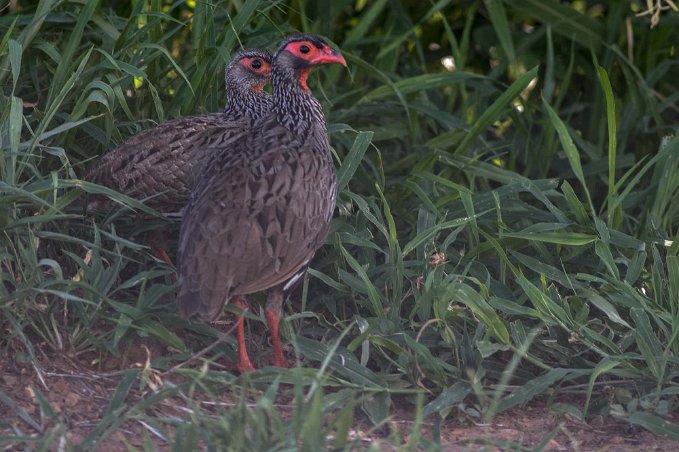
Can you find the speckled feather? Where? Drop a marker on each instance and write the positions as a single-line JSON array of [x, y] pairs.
[[261, 209], [160, 164]]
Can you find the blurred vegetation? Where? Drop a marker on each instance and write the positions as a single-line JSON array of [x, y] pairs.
[[505, 229]]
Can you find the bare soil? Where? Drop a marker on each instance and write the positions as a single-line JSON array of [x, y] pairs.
[[80, 390]]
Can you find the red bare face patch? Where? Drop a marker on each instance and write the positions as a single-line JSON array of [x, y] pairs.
[[308, 51], [257, 66], [304, 50]]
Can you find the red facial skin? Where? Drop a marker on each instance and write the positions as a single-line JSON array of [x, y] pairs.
[[257, 66], [306, 50]]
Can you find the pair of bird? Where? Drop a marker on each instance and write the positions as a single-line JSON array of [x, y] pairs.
[[256, 184]]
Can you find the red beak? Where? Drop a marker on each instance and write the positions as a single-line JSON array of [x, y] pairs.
[[329, 56]]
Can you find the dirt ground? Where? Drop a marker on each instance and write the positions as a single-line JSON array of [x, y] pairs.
[[79, 393]]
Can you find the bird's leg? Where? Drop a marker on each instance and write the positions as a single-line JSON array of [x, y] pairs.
[[274, 303], [157, 245], [244, 363]]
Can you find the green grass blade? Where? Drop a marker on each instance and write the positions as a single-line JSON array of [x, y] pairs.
[[68, 54], [353, 159], [492, 113], [570, 149], [498, 17], [655, 424], [611, 120], [648, 344], [601, 368], [15, 51], [373, 295], [563, 19], [561, 238]]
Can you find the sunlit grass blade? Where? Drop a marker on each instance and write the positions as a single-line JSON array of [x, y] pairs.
[[493, 112]]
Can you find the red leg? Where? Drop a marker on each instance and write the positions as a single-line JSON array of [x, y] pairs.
[[273, 320], [244, 363], [273, 309], [157, 245]]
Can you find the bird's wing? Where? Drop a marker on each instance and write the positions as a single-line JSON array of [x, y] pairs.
[[156, 163], [258, 213]]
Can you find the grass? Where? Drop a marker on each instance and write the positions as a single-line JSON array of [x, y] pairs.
[[505, 230]]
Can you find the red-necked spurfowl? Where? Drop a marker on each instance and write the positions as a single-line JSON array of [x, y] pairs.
[[261, 207], [160, 164]]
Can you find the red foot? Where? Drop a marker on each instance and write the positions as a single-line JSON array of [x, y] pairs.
[[244, 363]]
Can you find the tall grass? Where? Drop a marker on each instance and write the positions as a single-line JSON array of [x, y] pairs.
[[504, 229]]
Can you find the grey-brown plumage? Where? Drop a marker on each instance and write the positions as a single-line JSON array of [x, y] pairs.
[[262, 206], [159, 164]]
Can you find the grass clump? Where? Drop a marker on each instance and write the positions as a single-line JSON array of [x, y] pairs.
[[505, 231]]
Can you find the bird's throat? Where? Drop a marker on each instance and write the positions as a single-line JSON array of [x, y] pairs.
[[303, 76]]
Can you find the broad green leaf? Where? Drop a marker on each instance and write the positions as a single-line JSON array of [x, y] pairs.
[[353, 159]]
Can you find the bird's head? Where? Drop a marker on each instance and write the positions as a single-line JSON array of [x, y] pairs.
[[249, 69], [302, 53]]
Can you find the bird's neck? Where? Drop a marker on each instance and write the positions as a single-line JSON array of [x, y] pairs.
[[242, 101], [296, 108]]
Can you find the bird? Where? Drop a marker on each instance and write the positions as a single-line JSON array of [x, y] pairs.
[[159, 165], [263, 205]]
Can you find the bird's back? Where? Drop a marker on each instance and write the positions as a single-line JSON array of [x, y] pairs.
[[157, 163]]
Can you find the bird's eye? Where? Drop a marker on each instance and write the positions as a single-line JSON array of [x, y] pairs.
[[256, 64], [304, 48]]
